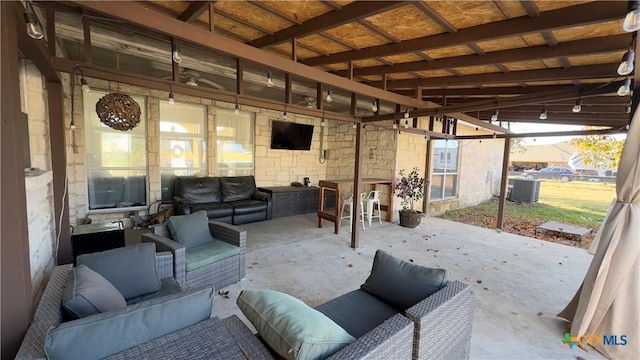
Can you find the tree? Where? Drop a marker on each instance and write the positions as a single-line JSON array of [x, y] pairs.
[[517, 145], [601, 151]]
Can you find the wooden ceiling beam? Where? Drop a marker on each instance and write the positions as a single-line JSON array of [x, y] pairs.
[[604, 100], [433, 15], [378, 31], [570, 48], [576, 72], [530, 7], [140, 15], [492, 104], [276, 12], [553, 107], [571, 16], [352, 12], [489, 91], [195, 9]]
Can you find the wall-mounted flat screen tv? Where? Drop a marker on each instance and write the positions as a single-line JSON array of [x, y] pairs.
[[290, 136]]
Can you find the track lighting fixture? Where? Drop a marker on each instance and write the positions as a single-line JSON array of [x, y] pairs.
[[494, 117], [626, 66], [172, 100], [34, 29], [625, 88], [543, 113], [406, 114], [578, 106], [632, 20], [269, 79], [176, 55], [406, 124], [329, 98], [374, 106]]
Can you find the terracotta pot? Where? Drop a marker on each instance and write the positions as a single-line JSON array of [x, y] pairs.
[[410, 219]]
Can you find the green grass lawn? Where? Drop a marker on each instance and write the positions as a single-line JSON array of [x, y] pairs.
[[576, 202]]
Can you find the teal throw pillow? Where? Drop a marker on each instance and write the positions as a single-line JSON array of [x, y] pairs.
[[402, 284], [130, 269], [101, 335], [290, 327], [190, 230], [87, 293]]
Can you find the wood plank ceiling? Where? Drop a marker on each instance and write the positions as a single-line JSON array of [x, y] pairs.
[[469, 56]]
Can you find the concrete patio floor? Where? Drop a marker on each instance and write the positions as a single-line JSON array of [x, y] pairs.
[[520, 283]]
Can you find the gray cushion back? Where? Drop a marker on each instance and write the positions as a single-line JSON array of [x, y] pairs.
[[198, 190], [237, 188], [190, 230], [131, 269], [87, 293], [402, 284]]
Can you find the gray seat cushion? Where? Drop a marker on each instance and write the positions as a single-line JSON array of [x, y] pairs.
[[87, 293], [131, 269], [209, 253], [400, 283], [190, 230], [357, 312]]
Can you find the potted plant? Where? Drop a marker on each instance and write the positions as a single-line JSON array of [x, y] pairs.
[[409, 187]]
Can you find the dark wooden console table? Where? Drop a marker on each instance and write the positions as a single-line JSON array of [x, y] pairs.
[[294, 200], [336, 185]]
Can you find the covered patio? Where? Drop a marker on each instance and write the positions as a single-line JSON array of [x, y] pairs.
[[520, 283]]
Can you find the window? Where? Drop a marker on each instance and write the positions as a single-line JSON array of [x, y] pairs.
[[116, 161], [234, 146], [183, 143], [444, 181]]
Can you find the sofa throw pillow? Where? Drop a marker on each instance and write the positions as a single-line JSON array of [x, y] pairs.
[[190, 230], [290, 327], [101, 335], [131, 269], [87, 293], [402, 284]]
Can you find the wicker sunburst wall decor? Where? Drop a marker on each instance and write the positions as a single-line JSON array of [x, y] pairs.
[[118, 111]]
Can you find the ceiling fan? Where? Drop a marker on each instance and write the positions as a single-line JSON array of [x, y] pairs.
[[193, 78], [308, 101]]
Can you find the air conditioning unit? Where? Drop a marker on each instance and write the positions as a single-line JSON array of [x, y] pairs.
[[524, 190]]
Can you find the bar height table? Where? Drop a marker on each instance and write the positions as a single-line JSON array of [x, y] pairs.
[[336, 185]]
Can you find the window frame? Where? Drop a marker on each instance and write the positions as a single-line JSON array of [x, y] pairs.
[[219, 143], [446, 158]]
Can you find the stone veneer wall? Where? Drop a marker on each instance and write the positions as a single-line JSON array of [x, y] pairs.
[[39, 182], [272, 167]]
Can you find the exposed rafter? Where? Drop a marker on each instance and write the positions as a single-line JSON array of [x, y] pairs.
[[571, 48], [577, 72], [352, 12], [583, 14], [194, 10]]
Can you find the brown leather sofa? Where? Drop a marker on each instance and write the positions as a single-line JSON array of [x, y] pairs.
[[233, 200]]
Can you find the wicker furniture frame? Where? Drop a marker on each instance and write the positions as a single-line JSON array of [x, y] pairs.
[[220, 274], [49, 311], [443, 323]]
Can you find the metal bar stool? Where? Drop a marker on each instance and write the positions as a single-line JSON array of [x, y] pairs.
[[347, 204]]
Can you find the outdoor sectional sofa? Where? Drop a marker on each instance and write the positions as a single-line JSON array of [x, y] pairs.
[[233, 200]]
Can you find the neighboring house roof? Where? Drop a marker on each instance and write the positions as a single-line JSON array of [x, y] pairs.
[[555, 153]]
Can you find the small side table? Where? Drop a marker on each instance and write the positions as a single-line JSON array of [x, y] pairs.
[[91, 238]]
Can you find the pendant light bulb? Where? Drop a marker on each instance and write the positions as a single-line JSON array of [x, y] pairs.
[[284, 115], [626, 66], [374, 106], [578, 106], [34, 30], [625, 88], [237, 109], [172, 100], [406, 114], [85, 85], [632, 20], [406, 124], [329, 98], [269, 79], [175, 55], [355, 125], [543, 113], [494, 117], [395, 124], [322, 123]]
